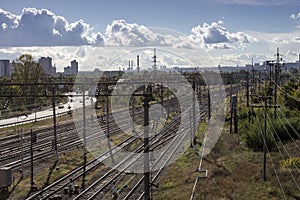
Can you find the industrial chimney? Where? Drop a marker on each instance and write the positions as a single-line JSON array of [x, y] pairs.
[[138, 63]]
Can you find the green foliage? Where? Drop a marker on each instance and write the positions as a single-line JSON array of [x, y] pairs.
[[266, 90], [293, 162], [243, 113], [286, 128], [252, 134], [26, 70], [289, 95]]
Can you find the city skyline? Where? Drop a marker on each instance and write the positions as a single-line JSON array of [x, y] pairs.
[[230, 32]]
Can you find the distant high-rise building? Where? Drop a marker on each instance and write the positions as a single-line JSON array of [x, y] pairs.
[[46, 63], [74, 66], [5, 68], [73, 70]]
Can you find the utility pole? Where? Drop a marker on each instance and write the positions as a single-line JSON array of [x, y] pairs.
[[133, 112], [146, 144], [84, 139], [231, 109], [276, 66], [265, 106], [270, 81], [253, 82], [265, 142], [276, 74], [107, 125], [247, 89], [35, 109], [199, 93], [54, 122], [22, 153], [191, 135], [259, 82], [31, 160], [194, 118], [162, 99], [299, 64], [231, 82], [234, 109], [22, 150], [199, 89], [209, 103]]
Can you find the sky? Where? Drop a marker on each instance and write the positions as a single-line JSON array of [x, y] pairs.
[[229, 32]]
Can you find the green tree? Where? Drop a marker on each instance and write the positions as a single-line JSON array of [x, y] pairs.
[[26, 72], [289, 95]]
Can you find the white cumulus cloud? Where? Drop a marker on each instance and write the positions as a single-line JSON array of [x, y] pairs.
[[43, 28], [215, 35], [119, 32]]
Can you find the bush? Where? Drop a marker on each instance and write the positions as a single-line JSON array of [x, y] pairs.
[[286, 129], [293, 162], [252, 134], [243, 113]]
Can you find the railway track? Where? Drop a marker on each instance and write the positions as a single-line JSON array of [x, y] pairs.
[[10, 147], [69, 139], [58, 186], [105, 184], [136, 191]]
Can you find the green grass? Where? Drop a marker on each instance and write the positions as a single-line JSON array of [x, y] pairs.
[[234, 172], [179, 177]]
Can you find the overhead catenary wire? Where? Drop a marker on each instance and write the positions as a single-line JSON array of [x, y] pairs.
[[295, 131], [281, 154], [275, 133], [277, 177], [293, 128], [285, 128], [278, 137], [280, 88]]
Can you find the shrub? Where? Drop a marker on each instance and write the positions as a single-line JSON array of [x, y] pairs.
[[285, 129], [252, 134], [293, 162]]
